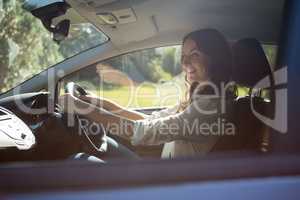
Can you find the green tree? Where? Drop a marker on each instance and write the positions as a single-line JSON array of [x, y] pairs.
[[170, 61], [81, 37], [147, 62], [27, 48], [24, 44]]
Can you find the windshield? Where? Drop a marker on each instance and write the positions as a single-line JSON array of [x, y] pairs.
[[27, 48]]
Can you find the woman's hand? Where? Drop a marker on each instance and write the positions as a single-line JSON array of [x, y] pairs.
[[94, 100], [72, 105], [85, 103], [87, 98]]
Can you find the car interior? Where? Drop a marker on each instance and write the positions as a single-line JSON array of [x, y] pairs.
[[136, 25]]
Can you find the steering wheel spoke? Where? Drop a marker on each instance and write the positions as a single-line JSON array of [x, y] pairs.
[[97, 139]]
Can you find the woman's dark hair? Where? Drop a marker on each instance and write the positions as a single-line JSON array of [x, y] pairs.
[[215, 46], [212, 43]]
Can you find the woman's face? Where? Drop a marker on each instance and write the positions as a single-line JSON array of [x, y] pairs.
[[194, 62]]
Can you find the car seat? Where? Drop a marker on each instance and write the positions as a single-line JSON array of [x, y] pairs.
[[250, 65]]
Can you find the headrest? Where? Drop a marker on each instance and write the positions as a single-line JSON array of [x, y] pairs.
[[250, 63]]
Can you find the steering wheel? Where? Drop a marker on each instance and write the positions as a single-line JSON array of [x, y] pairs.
[[94, 133], [99, 142]]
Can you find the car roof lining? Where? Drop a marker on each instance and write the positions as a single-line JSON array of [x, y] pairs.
[[158, 19]]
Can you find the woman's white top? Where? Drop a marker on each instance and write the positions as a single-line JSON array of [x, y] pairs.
[[191, 132]]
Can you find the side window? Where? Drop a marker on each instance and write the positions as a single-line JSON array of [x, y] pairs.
[[142, 79]]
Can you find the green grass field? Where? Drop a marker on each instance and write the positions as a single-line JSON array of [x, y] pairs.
[[145, 95]]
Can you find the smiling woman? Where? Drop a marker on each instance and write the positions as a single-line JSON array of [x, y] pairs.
[[27, 48]]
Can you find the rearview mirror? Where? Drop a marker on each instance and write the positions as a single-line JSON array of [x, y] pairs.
[[46, 11], [61, 30]]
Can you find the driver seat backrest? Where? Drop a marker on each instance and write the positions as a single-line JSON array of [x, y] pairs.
[[250, 66]]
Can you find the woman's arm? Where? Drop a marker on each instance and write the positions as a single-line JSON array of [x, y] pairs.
[[191, 124], [113, 107], [116, 124]]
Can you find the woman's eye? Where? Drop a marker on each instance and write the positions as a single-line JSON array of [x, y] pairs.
[[195, 57]]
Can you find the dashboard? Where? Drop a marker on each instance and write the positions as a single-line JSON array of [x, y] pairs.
[[14, 132], [49, 136], [32, 129]]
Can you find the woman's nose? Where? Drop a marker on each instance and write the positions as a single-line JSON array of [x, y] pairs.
[[187, 66]]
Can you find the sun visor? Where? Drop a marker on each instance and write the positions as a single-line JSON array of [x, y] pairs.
[[109, 12], [93, 5]]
